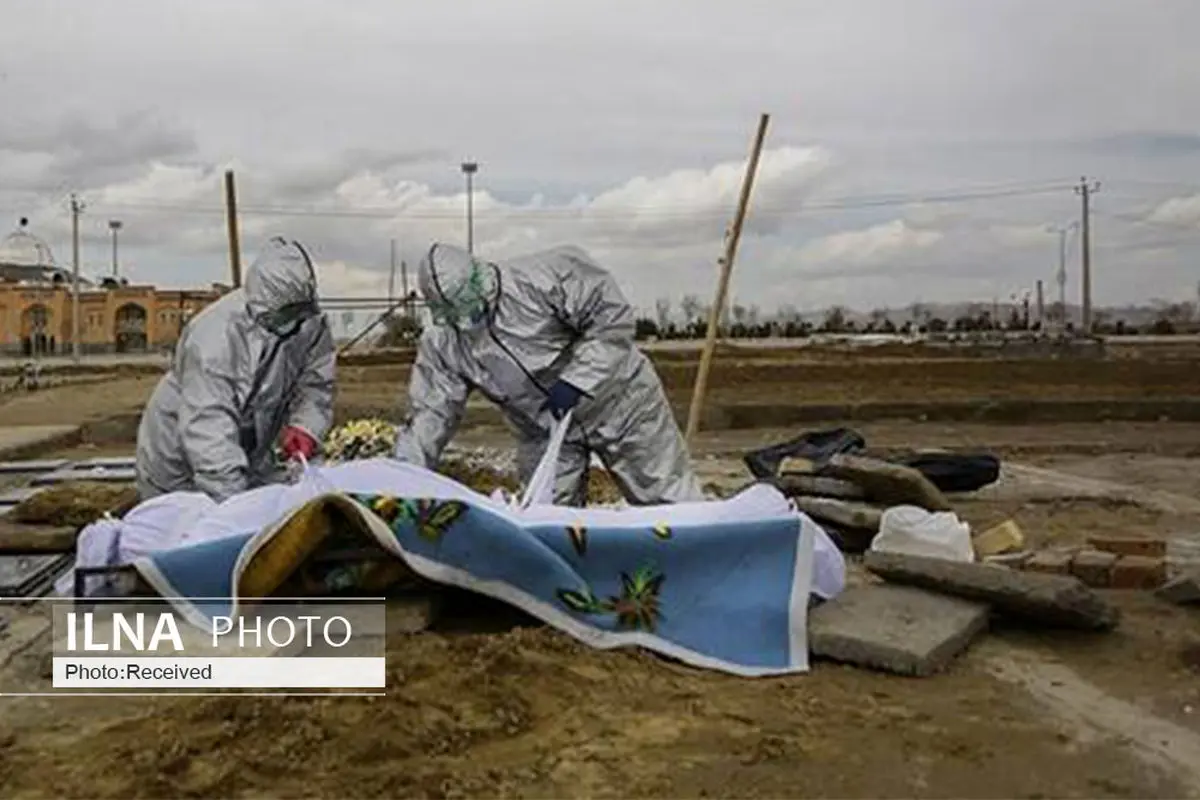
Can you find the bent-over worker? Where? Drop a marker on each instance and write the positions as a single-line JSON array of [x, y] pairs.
[[252, 370], [539, 336]]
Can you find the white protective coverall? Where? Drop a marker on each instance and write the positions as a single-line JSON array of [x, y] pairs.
[[256, 361], [515, 331]]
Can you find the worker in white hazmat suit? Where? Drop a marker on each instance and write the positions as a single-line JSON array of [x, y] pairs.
[[538, 336], [252, 372]]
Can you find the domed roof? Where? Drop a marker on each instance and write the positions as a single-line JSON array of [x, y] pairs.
[[22, 249]]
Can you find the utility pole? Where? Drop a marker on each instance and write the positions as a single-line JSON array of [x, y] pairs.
[[231, 223], [392, 275], [115, 225], [404, 288], [1085, 192], [1041, 307], [76, 210], [469, 168]]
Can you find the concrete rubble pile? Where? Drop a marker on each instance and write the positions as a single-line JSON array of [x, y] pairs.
[[913, 614]]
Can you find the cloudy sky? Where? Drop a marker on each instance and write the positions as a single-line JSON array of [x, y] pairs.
[[918, 150]]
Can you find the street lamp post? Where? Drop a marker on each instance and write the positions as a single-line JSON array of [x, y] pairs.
[[469, 168], [115, 225]]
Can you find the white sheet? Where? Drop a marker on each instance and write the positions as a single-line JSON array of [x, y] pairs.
[[182, 518]]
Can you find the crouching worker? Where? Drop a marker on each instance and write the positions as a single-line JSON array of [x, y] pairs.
[[539, 336], [252, 371]]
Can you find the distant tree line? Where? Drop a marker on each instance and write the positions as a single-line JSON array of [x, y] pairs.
[[748, 322]]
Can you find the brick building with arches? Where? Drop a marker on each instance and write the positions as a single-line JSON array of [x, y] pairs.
[[36, 302]]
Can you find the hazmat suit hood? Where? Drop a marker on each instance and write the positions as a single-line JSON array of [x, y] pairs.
[[459, 289], [255, 362], [281, 287]]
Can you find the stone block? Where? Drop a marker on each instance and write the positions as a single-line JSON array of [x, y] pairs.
[[1048, 600], [1183, 590], [1007, 537], [1139, 572], [841, 513], [1094, 567], [886, 483], [895, 628], [1051, 562], [1010, 560], [1148, 546], [794, 484]]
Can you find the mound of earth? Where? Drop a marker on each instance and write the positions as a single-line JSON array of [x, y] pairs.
[[74, 504]]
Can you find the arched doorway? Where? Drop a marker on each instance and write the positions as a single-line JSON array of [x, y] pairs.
[[130, 333], [35, 331]]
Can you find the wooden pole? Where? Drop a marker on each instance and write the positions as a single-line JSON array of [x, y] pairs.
[[231, 221], [726, 264]]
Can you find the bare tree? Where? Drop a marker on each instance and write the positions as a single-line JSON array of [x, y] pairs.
[[739, 314], [690, 306], [835, 319], [662, 313]]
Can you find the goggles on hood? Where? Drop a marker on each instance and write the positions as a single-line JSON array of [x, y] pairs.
[[465, 305], [286, 320]]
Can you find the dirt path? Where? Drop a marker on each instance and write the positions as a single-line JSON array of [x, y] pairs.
[[1094, 715]]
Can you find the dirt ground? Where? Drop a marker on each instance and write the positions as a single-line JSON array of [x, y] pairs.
[[491, 704]]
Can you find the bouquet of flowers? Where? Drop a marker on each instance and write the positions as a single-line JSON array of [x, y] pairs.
[[360, 438]]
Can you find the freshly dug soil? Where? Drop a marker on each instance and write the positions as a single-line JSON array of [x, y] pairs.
[[74, 504]]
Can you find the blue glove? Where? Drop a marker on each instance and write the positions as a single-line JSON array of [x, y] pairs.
[[561, 398]]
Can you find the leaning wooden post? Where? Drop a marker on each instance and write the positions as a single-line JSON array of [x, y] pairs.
[[726, 264], [231, 221]]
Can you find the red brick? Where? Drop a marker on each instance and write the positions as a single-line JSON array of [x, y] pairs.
[[1094, 567], [1147, 546], [1139, 572], [1055, 562]]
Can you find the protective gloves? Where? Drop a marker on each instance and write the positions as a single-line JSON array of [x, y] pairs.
[[561, 398], [296, 442]]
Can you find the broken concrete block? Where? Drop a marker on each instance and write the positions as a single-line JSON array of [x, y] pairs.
[[1130, 545], [894, 628], [1094, 567], [1006, 537], [1051, 600], [794, 484], [1139, 572], [1183, 590], [1011, 560], [843, 514], [1051, 562], [883, 482]]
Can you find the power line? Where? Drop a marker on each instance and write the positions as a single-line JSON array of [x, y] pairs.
[[603, 213]]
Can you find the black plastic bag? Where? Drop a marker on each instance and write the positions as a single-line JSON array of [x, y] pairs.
[[955, 472], [816, 446]]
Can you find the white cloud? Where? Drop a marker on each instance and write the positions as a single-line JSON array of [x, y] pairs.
[[872, 246], [1179, 211]]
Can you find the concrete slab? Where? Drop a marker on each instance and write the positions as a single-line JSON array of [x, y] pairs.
[[19, 574], [17, 440], [841, 513], [32, 467], [1049, 600], [895, 628], [102, 474], [109, 462], [794, 484], [887, 483]]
